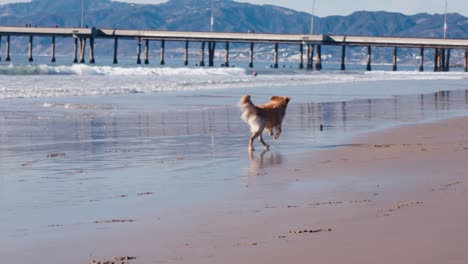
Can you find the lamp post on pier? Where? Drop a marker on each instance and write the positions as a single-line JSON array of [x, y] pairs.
[[445, 21], [212, 16], [312, 18], [82, 13]]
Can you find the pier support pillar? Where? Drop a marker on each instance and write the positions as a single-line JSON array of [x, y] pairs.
[[75, 51], [83, 50], [163, 51], [0, 48], [116, 46], [318, 60], [146, 51], [369, 59], [251, 53], [301, 54], [308, 57], [226, 55], [442, 60], [395, 58], [139, 51], [91, 50], [275, 65], [343, 57], [186, 53], [211, 53], [7, 58], [312, 51], [466, 60], [436, 60], [202, 54], [53, 50], [30, 56], [421, 59], [447, 61]]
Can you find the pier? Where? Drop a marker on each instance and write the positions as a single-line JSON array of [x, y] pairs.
[[86, 37]]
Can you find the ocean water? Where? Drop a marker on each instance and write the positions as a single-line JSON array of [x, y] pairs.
[[81, 143], [46, 80]]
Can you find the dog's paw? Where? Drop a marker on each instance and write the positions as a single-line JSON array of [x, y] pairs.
[[267, 147], [277, 136], [251, 149]]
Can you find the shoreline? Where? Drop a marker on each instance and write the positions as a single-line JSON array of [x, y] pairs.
[[393, 196]]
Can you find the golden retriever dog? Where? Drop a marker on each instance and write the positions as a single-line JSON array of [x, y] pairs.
[[268, 116]]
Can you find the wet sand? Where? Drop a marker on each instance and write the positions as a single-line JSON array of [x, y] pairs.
[[396, 196]]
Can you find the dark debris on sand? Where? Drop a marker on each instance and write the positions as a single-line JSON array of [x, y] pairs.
[[115, 260]]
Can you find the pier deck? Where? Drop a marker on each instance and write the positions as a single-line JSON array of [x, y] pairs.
[[442, 46]]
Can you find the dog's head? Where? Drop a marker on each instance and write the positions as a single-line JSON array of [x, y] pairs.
[[283, 100]]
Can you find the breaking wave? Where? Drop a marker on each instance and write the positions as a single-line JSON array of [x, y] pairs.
[[32, 81], [83, 69]]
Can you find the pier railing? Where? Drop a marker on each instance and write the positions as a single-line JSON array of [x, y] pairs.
[[311, 43]]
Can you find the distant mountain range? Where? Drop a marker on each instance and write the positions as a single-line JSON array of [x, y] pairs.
[[230, 16]]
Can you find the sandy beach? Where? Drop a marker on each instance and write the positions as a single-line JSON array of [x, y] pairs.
[[395, 196], [401, 199]]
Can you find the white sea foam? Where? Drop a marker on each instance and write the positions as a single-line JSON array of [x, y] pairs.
[[77, 106], [32, 81], [83, 69]]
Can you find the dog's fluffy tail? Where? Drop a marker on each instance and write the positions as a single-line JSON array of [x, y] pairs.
[[247, 107]]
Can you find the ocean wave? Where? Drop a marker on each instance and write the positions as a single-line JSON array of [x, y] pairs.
[[34, 81], [83, 69]]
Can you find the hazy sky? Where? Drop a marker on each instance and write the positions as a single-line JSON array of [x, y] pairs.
[[345, 7]]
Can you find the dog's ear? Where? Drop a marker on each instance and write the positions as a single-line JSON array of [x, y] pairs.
[[245, 99], [287, 99], [274, 98]]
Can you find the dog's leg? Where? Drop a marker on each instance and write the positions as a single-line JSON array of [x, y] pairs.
[[267, 147], [252, 138], [278, 133]]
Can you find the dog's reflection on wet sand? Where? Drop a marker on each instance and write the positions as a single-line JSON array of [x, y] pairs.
[[264, 160]]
